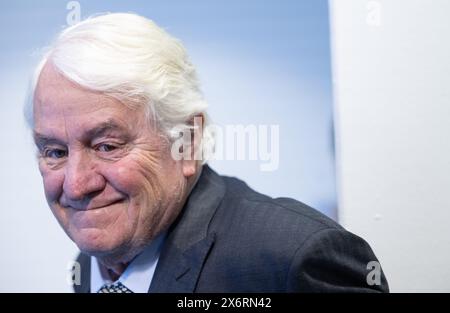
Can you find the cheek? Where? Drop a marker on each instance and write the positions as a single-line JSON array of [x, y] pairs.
[[146, 182], [53, 183], [126, 178], [140, 173]]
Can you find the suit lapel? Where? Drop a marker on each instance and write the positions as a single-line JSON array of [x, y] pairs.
[[179, 271], [188, 242]]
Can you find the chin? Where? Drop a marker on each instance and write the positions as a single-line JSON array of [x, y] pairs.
[[96, 242]]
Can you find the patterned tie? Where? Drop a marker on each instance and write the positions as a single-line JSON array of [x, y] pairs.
[[117, 287]]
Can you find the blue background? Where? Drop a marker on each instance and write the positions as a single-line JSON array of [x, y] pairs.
[[259, 62]]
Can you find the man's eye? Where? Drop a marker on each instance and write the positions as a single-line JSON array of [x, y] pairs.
[[106, 147], [55, 153]]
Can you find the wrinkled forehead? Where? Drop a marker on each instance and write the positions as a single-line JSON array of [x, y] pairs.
[[55, 92], [61, 105]]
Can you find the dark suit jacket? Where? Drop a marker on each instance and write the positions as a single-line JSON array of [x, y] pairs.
[[230, 238]]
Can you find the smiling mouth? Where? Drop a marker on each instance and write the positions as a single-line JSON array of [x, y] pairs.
[[106, 205], [98, 207]]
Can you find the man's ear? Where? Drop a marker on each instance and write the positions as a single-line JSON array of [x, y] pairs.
[[193, 155]]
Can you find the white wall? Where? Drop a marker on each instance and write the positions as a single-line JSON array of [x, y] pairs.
[[391, 64]]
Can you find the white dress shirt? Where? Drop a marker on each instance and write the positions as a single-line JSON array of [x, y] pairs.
[[139, 273]]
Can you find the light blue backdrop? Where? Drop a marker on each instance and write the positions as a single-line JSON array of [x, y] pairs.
[[260, 62]]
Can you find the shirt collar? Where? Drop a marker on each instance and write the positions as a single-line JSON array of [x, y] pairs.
[[139, 273]]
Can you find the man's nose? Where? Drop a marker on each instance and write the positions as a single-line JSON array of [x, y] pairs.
[[81, 178]]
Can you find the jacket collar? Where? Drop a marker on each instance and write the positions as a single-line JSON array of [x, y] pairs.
[[188, 241]]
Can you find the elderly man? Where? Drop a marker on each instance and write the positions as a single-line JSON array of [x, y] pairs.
[[110, 98]]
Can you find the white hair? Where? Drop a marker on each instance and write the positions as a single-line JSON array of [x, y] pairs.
[[130, 58]]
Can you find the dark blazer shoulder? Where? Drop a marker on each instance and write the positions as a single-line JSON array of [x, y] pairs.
[[281, 244], [291, 211]]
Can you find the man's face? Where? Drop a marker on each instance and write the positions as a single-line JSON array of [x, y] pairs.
[[108, 175]]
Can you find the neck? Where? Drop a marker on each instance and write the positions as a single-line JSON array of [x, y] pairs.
[[112, 272]]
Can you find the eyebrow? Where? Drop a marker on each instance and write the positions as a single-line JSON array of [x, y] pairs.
[[95, 132], [104, 128]]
